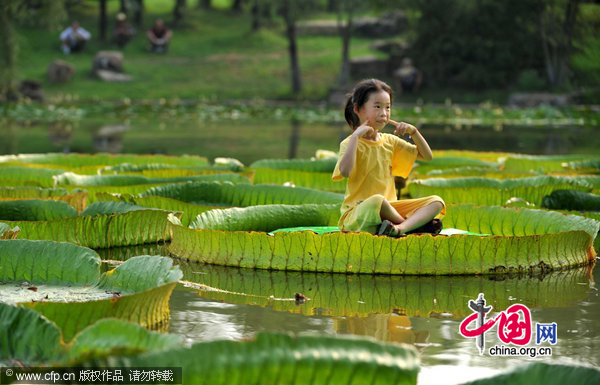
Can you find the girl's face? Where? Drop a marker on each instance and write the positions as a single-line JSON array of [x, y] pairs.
[[376, 111]]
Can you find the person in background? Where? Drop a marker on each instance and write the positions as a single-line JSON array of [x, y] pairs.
[[408, 78], [74, 38], [123, 31], [159, 36]]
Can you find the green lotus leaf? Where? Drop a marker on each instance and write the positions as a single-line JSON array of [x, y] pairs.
[[30, 338], [360, 295], [26, 336], [585, 165], [283, 359], [73, 179], [571, 200], [317, 165], [19, 176], [106, 208], [189, 210], [100, 231], [138, 290], [488, 191], [229, 194], [35, 210], [92, 191], [541, 163], [448, 162], [48, 262], [523, 240], [542, 373], [486, 156], [109, 336], [316, 180], [24, 192], [149, 271], [81, 160], [268, 217]]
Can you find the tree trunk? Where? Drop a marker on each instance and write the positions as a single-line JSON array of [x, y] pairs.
[[138, 15], [290, 24], [346, 34], [205, 4], [178, 11], [294, 138], [567, 47], [123, 6], [8, 47], [102, 25], [256, 16], [237, 6]]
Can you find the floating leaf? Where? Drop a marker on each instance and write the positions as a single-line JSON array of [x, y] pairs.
[[73, 179], [268, 217], [571, 200], [35, 210], [488, 191], [282, 359], [316, 180], [318, 165], [525, 241], [542, 373], [230, 194]]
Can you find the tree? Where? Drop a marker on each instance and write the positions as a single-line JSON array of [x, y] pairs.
[[557, 43], [47, 13], [178, 10], [102, 21], [289, 11], [345, 16]]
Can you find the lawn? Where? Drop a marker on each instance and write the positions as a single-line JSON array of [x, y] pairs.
[[213, 56]]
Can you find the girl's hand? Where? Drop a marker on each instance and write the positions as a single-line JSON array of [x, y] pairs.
[[364, 130], [403, 128]]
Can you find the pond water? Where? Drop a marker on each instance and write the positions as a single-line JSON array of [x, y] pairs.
[[422, 311], [256, 139]]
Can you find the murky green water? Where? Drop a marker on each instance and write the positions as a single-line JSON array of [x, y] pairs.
[[421, 311], [253, 140]]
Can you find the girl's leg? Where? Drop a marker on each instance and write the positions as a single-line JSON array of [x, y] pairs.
[[389, 212], [420, 217]]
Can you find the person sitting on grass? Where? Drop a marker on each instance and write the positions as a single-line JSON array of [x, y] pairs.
[[74, 38], [159, 36], [123, 31], [371, 159]]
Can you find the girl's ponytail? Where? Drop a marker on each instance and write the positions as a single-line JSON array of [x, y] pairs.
[[350, 115]]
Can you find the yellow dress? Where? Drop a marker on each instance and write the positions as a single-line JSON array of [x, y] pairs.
[[372, 180]]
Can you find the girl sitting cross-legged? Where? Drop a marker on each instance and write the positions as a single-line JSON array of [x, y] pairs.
[[371, 159]]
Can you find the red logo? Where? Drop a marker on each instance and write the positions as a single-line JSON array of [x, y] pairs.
[[511, 329]]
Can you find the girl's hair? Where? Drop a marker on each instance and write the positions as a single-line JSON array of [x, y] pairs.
[[360, 95]]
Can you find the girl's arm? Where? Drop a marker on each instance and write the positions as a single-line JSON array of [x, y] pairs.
[[424, 151], [347, 161]]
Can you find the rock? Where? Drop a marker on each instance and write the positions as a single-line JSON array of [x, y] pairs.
[[109, 138], [108, 60], [32, 90], [110, 76], [59, 71], [534, 99], [392, 23], [390, 47]]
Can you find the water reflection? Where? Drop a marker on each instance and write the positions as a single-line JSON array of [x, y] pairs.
[[422, 311]]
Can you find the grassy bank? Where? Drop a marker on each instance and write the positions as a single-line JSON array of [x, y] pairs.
[[213, 56]]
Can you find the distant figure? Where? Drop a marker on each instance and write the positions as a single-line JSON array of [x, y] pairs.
[[159, 36], [74, 38], [123, 31], [407, 77]]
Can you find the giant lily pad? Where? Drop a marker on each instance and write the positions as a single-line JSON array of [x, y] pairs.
[[316, 180], [521, 240], [101, 225], [283, 359], [243, 195], [80, 160], [139, 289], [73, 179], [489, 191]]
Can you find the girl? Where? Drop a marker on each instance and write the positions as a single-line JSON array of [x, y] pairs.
[[370, 160]]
